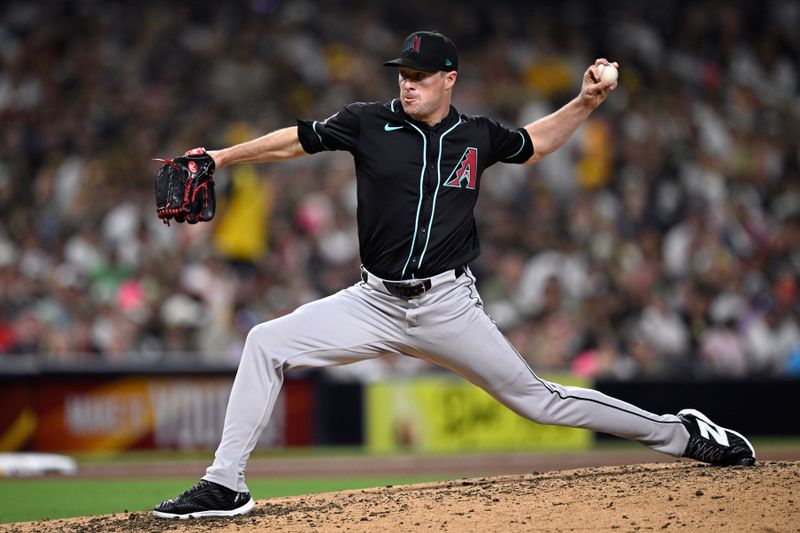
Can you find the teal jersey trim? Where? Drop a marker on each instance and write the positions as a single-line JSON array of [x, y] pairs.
[[436, 193], [419, 204], [520, 148], [314, 127]]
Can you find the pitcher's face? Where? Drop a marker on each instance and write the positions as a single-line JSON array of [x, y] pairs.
[[425, 94]]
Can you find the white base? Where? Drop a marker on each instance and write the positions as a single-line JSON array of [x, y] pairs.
[[36, 464]]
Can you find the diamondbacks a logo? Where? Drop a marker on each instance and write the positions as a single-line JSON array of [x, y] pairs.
[[413, 44], [192, 167], [709, 431], [465, 173]]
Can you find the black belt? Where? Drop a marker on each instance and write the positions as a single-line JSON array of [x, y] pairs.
[[412, 288]]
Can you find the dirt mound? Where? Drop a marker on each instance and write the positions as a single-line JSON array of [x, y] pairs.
[[681, 495]]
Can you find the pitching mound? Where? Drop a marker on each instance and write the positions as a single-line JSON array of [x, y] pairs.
[[684, 496]]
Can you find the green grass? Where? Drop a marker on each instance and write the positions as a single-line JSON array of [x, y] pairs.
[[23, 500]]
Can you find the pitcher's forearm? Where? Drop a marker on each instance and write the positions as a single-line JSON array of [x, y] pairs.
[[550, 133], [278, 145]]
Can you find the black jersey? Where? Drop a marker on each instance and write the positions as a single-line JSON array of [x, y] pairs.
[[417, 185]]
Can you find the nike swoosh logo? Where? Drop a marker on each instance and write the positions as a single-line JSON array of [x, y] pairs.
[[387, 127]]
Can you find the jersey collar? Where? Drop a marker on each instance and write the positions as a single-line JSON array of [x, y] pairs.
[[449, 120]]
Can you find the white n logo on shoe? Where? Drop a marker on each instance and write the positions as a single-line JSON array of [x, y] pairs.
[[710, 431]]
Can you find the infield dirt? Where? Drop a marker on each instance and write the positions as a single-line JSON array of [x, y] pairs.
[[666, 496]]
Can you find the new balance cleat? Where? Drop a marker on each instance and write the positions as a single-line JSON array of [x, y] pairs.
[[715, 444], [205, 499]]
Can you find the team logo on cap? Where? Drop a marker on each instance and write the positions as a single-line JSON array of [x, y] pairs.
[[413, 44], [465, 173]]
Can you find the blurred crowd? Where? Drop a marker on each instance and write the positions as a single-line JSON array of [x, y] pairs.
[[662, 240]]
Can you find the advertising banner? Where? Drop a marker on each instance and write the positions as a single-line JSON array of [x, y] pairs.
[[102, 413], [449, 414]]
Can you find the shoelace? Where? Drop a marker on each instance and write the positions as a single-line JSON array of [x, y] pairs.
[[703, 450], [200, 485]]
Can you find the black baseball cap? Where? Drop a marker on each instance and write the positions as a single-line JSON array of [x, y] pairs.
[[427, 50]]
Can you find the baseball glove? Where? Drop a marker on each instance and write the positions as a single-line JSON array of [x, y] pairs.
[[185, 188]]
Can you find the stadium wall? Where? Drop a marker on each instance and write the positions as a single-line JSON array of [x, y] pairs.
[[59, 408]]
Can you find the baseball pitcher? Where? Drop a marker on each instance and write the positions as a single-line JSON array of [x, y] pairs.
[[418, 165]]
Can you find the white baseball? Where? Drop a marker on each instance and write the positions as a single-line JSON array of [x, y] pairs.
[[608, 73]]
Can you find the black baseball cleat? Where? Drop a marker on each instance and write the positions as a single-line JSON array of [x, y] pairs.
[[205, 499], [715, 444]]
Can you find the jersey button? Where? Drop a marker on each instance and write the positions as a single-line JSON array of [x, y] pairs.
[[423, 230]]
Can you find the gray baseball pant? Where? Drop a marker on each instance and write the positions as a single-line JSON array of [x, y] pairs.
[[447, 326]]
